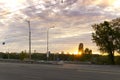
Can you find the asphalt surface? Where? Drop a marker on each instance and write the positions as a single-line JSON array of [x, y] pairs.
[[21, 71]]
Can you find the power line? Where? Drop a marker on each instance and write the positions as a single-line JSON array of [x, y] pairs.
[[7, 13]]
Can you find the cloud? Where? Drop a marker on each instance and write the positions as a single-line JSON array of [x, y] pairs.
[[72, 20]]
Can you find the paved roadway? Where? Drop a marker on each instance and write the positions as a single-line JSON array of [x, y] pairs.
[[21, 71]]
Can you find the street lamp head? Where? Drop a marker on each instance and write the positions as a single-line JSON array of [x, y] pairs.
[[52, 27]]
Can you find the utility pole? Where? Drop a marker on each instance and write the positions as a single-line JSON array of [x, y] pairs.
[[29, 40], [48, 52], [47, 44]]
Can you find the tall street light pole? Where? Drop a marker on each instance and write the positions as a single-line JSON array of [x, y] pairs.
[[29, 40], [48, 42]]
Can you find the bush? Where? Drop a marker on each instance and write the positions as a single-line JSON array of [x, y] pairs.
[[117, 60]]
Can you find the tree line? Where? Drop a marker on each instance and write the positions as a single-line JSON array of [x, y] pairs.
[[106, 35], [41, 56]]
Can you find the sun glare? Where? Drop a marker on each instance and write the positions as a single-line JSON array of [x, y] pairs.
[[75, 52], [116, 4], [12, 4]]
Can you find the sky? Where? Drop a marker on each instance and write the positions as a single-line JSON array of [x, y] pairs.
[[72, 20]]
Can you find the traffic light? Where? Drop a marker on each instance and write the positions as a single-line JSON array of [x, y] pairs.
[[3, 43]]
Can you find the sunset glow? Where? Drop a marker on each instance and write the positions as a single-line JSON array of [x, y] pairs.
[[116, 4], [72, 20], [12, 4], [76, 53]]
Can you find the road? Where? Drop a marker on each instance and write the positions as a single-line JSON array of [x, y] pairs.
[[21, 71]]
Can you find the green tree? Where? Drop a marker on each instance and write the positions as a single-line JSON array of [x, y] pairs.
[[116, 26], [13, 56], [87, 51], [87, 54], [23, 55], [106, 37], [80, 48]]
